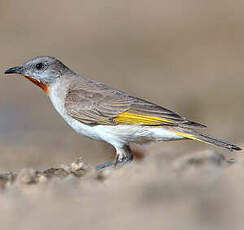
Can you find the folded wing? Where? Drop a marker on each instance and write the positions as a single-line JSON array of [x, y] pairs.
[[96, 104]]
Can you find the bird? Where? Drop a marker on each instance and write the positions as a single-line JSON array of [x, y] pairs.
[[100, 112]]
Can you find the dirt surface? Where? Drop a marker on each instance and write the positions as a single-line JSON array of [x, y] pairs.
[[201, 190]]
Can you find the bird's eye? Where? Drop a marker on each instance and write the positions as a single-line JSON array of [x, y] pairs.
[[39, 66]]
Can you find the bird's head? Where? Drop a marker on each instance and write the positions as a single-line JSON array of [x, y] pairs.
[[42, 71]]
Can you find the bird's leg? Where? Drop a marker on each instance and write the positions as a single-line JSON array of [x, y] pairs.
[[123, 155], [107, 164]]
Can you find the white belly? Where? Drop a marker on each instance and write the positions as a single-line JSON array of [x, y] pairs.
[[121, 134], [115, 135]]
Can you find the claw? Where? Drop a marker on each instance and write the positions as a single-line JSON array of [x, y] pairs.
[[117, 163], [116, 160]]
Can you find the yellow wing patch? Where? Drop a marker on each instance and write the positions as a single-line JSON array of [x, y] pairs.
[[133, 118]]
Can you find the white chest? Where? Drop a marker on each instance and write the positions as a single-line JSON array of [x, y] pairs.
[[57, 96]]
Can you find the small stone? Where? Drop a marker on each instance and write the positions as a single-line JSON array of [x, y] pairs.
[[27, 176], [42, 179], [200, 159]]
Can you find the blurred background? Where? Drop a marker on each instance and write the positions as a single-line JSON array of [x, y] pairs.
[[184, 55]]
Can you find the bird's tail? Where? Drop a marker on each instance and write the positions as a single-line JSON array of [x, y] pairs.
[[190, 134]]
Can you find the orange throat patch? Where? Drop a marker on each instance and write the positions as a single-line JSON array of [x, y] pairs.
[[42, 85]]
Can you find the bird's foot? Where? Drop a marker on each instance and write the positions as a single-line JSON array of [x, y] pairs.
[[118, 162], [121, 160], [107, 164]]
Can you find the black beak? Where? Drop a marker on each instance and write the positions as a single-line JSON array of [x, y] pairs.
[[16, 69]]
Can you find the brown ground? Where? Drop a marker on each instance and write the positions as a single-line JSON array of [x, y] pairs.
[[186, 56], [201, 190]]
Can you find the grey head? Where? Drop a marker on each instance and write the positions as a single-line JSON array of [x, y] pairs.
[[43, 69]]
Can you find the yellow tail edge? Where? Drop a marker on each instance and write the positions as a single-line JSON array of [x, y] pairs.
[[190, 134]]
